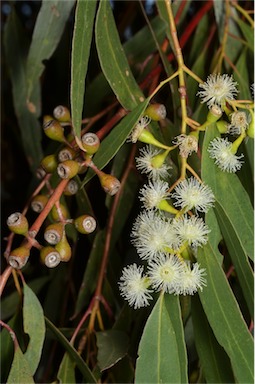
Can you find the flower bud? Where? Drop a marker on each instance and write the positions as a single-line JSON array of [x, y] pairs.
[[109, 183], [156, 111], [62, 113], [50, 257], [214, 114], [38, 203], [90, 143], [53, 130], [85, 224], [66, 154], [18, 257], [49, 163], [55, 214], [17, 223], [71, 188], [64, 249], [53, 233], [68, 169]]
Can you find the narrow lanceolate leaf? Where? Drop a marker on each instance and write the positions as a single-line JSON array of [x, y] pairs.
[[66, 372], [241, 263], [87, 374], [82, 35], [111, 144], [225, 317], [113, 60], [230, 195], [174, 311], [20, 370], [47, 33], [15, 46], [215, 363], [158, 352], [34, 326]]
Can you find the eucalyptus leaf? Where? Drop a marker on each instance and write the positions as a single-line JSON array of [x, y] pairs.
[[34, 326], [66, 372], [47, 33], [116, 70], [158, 354], [225, 317], [112, 347], [20, 370], [82, 36]]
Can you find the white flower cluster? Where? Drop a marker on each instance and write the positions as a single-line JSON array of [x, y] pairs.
[[160, 238], [219, 90]]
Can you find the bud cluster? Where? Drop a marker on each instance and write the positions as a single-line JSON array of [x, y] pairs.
[[49, 202]]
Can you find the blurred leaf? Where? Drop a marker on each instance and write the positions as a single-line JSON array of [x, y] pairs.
[[34, 326], [82, 35], [113, 60], [241, 75], [230, 195], [159, 360], [112, 347], [174, 311], [89, 280], [111, 144], [225, 317], [247, 31], [15, 50], [20, 370], [50, 24], [214, 360], [66, 372], [87, 374], [239, 258]]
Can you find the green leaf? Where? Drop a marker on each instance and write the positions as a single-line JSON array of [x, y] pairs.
[[158, 352], [34, 326], [174, 311], [112, 347], [20, 370], [87, 374], [66, 372], [241, 75], [215, 235], [247, 31], [214, 360], [230, 195], [47, 33], [111, 144], [15, 50], [239, 258], [82, 35], [113, 60], [225, 317]]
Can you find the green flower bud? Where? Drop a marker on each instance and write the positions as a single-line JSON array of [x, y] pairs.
[[214, 114], [156, 111], [17, 223], [53, 130], [64, 249], [68, 169], [222, 126], [18, 257], [55, 214], [66, 154], [85, 224], [71, 188], [62, 114], [53, 233], [49, 163], [50, 256], [90, 143], [38, 203]]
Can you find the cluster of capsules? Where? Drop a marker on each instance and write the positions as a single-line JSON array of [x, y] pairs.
[[71, 160]]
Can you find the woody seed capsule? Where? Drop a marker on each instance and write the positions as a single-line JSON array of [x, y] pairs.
[[68, 169], [61, 113], [85, 224], [17, 223], [53, 233], [50, 257], [18, 257], [38, 203], [90, 143]]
